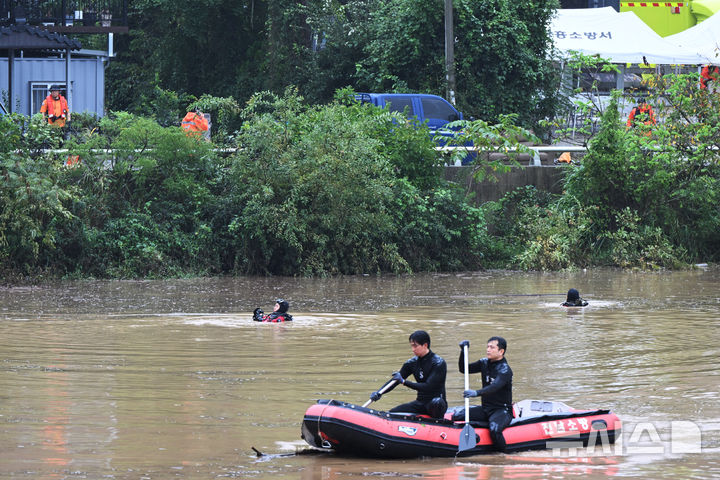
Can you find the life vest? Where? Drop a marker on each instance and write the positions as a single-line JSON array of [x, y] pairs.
[[709, 73], [644, 110], [274, 317], [72, 161], [56, 110], [194, 124], [277, 318]]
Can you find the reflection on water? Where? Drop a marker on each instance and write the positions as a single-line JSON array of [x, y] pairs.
[[509, 467], [171, 379]]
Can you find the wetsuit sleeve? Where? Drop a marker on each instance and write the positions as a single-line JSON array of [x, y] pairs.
[[473, 367], [406, 370], [435, 381], [504, 376]]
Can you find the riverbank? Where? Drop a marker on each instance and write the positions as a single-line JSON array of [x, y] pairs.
[[346, 190]]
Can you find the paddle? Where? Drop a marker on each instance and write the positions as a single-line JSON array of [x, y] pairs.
[[467, 435], [384, 389]]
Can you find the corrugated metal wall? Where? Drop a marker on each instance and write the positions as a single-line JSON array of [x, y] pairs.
[[87, 80]]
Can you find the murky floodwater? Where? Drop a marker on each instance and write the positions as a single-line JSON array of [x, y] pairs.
[[171, 379]]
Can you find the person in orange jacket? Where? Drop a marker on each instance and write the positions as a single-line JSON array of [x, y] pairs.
[[642, 112], [709, 73], [55, 108], [195, 123]]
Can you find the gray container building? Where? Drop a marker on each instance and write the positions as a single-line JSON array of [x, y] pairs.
[[32, 78]]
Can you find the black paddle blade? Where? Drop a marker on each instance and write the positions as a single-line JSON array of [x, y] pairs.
[[467, 438]]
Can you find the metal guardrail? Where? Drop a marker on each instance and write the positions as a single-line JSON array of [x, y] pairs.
[[535, 160]]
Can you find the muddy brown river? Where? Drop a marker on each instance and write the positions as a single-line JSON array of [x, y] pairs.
[[172, 379]]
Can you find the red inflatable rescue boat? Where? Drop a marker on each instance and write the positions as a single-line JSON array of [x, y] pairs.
[[351, 429]]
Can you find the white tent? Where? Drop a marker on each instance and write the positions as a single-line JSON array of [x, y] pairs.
[[703, 38], [619, 37]]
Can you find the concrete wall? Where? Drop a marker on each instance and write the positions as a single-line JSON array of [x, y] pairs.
[[544, 178]]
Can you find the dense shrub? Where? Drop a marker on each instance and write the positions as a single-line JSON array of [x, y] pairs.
[[634, 245], [642, 198], [346, 189], [535, 231], [666, 177], [143, 209], [334, 190], [31, 196], [341, 189], [438, 230]]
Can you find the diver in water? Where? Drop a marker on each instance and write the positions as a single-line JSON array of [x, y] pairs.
[[279, 313], [573, 299]]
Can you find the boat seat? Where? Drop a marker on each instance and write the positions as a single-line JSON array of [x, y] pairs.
[[525, 408], [417, 416]]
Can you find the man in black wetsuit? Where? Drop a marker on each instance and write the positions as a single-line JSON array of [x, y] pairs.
[[496, 394], [574, 300], [430, 371]]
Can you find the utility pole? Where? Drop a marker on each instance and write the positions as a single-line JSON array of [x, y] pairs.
[[449, 51]]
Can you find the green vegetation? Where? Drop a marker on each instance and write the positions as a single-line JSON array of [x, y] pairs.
[[304, 181], [340, 189], [645, 197], [347, 188], [502, 53]]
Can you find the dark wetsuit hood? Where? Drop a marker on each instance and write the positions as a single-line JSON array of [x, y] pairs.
[[284, 305], [574, 300], [572, 295]]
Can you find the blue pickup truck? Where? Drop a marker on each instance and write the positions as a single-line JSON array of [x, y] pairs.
[[435, 111]]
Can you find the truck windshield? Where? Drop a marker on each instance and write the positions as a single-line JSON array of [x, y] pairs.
[[438, 108]]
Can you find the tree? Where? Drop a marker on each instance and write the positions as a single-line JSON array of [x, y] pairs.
[[404, 48], [502, 52], [503, 59], [214, 47]]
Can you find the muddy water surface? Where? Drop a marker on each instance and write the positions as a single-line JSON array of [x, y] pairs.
[[171, 379]]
